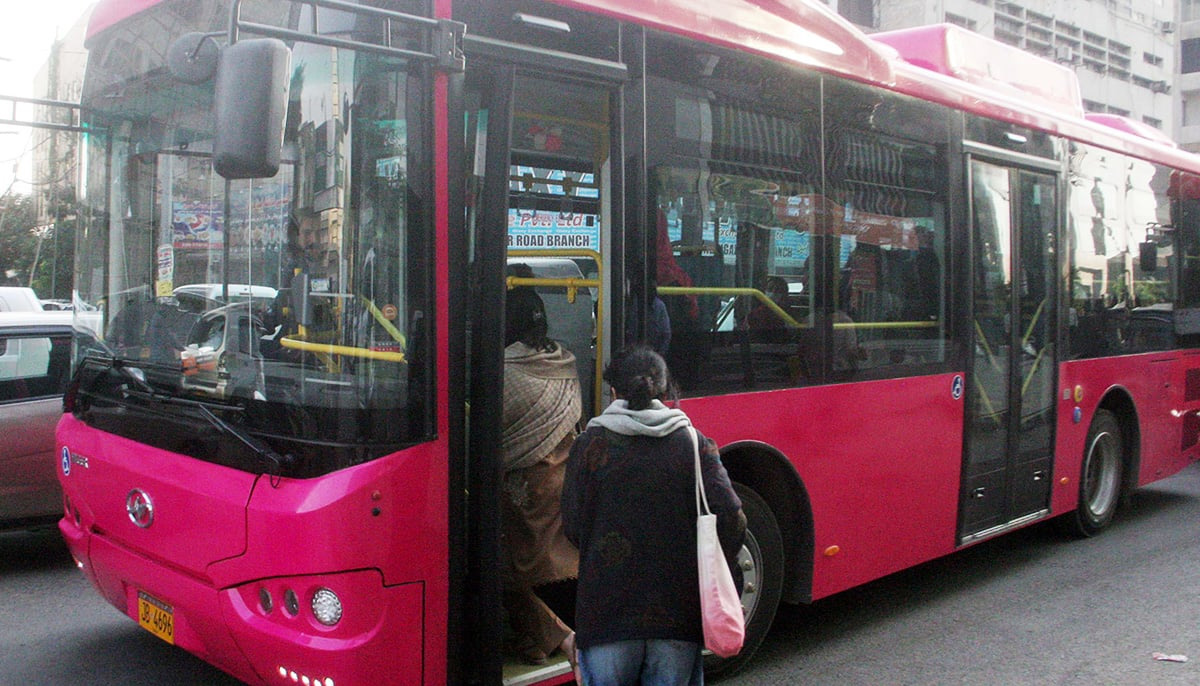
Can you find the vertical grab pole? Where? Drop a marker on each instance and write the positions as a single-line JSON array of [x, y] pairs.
[[485, 461]]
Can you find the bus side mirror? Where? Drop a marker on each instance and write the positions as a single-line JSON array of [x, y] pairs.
[[1148, 256], [250, 105]]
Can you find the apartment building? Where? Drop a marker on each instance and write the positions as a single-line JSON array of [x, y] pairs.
[[1188, 82], [1124, 51]]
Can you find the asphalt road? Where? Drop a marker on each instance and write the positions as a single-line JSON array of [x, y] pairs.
[[1028, 608], [56, 630]]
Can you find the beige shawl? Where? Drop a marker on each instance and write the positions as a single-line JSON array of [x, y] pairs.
[[541, 402]]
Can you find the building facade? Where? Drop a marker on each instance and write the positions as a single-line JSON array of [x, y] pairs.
[[1189, 74], [1125, 52], [55, 153]]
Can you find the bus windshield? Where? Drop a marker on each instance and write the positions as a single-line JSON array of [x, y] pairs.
[[294, 307]]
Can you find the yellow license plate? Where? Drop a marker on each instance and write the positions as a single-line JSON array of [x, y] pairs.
[[156, 617]]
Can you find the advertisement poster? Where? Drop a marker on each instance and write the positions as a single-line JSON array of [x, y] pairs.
[[549, 230], [165, 271], [196, 225], [261, 224]]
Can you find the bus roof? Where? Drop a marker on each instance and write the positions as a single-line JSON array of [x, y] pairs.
[[975, 58], [1034, 92], [940, 63], [799, 31], [109, 12]]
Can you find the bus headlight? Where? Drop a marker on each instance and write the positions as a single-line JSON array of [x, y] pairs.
[[327, 607]]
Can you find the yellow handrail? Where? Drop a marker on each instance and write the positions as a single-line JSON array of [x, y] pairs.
[[752, 292], [331, 349], [572, 285], [782, 314]]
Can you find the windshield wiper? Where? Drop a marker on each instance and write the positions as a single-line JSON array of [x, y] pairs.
[[256, 445], [130, 370], [259, 447]]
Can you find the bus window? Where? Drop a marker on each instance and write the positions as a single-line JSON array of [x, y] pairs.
[[309, 289], [735, 176], [751, 249], [859, 263], [1118, 304], [886, 283]]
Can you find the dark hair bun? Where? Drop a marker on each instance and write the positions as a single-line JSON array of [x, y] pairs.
[[639, 375]]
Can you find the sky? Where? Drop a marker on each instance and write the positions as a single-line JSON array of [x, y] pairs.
[[27, 30]]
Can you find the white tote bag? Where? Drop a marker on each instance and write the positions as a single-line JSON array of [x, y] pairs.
[[720, 604]]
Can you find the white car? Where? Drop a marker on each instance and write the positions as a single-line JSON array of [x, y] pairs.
[[215, 293], [19, 299]]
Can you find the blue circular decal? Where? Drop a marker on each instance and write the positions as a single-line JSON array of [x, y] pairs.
[[1077, 415], [66, 461], [956, 386]]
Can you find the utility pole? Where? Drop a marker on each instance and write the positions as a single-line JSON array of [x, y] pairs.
[[52, 86]]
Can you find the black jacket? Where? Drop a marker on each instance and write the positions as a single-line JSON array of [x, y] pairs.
[[629, 505]]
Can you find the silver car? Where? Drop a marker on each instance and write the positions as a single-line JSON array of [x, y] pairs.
[[35, 361]]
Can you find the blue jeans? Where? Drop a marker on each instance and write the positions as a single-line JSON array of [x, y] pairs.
[[655, 662]]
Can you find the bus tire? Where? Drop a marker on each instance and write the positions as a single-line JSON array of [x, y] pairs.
[[761, 562], [1099, 479]]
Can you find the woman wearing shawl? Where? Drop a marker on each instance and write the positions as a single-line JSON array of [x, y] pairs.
[[629, 504], [541, 409]]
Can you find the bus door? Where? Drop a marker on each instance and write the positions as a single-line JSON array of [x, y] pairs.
[[541, 142], [1010, 383]]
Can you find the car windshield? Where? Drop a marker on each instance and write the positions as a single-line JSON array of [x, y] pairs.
[[298, 301]]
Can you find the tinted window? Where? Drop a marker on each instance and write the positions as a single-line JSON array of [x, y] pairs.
[[1116, 203], [1189, 55], [735, 195], [787, 254], [883, 291], [33, 366]]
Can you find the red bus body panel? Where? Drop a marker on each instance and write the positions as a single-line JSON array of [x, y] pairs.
[[108, 13], [1166, 414], [376, 534], [880, 460], [810, 34], [183, 492]]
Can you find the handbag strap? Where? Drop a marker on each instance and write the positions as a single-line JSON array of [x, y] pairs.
[[701, 496]]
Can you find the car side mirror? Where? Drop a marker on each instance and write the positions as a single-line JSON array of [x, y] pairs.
[[250, 105]]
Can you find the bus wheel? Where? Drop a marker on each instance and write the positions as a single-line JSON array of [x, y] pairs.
[[1100, 478], [761, 563]]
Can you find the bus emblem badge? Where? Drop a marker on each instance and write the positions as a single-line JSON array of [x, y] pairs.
[[956, 386], [139, 507]]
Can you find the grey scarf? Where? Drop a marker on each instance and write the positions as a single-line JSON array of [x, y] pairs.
[[655, 421]]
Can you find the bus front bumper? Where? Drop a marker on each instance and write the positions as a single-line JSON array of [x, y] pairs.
[[266, 631]]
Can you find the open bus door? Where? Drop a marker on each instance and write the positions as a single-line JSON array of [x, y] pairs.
[[542, 161], [1008, 461]]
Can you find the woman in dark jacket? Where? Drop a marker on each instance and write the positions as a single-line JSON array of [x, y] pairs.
[[629, 504]]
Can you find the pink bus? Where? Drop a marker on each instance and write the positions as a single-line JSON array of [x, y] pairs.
[[918, 296]]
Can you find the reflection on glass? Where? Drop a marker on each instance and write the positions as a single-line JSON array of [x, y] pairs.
[[992, 218], [298, 298]]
